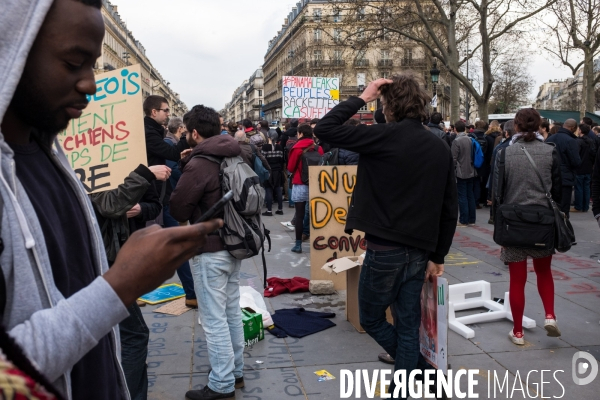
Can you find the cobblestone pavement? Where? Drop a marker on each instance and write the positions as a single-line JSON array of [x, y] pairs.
[[284, 368]]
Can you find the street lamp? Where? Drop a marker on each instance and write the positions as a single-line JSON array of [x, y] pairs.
[[435, 77]]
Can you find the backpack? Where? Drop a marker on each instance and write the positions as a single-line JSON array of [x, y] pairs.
[[243, 232], [258, 167], [310, 157], [476, 154], [330, 158], [483, 143]]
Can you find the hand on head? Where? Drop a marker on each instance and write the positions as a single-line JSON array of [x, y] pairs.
[[371, 93]]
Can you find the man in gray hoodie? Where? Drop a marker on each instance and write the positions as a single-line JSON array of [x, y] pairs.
[[62, 303], [465, 175]]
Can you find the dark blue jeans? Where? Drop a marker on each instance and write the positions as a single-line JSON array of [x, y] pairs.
[[134, 351], [466, 200], [269, 191], [394, 278], [183, 272], [306, 222], [582, 192]]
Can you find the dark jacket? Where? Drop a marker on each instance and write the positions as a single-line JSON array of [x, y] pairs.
[[175, 171], [587, 153], [596, 187], [158, 151], [450, 138], [151, 207], [111, 208], [394, 212], [347, 157], [199, 187], [274, 156], [435, 129], [487, 154], [292, 132], [248, 155], [568, 149]]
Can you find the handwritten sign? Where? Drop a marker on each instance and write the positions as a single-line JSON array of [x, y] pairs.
[[433, 331], [309, 97], [330, 191], [107, 141]]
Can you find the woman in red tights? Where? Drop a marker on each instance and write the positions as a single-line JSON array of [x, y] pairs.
[[523, 186]]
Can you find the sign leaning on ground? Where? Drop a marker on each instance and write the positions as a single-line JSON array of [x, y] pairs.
[[433, 331], [331, 190], [309, 97], [107, 141]]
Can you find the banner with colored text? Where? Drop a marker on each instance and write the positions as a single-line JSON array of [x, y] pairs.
[[107, 141], [309, 97], [330, 189]]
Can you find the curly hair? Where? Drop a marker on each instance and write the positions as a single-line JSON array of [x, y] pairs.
[[527, 121], [305, 130], [406, 97], [204, 120]]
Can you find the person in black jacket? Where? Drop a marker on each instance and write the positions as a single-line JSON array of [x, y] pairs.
[[273, 153], [566, 143], [156, 109], [583, 174], [409, 225], [596, 189]]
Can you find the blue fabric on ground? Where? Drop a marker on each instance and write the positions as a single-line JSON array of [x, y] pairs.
[[297, 322]]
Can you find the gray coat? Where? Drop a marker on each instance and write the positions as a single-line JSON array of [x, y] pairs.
[[521, 183], [461, 154]]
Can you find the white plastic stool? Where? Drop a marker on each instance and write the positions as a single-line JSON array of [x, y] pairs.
[[459, 302]]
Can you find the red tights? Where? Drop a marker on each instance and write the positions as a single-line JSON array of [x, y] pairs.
[[545, 284]]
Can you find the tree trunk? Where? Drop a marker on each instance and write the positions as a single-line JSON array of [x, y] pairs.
[[454, 99], [482, 106], [588, 88]]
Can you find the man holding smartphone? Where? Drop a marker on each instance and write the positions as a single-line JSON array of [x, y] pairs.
[[216, 273]]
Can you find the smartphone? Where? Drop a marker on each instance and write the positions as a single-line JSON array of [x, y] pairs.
[[217, 208]]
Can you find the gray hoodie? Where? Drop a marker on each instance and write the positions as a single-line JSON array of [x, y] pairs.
[[53, 331]]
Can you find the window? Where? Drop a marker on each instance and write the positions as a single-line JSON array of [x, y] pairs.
[[360, 34], [337, 16], [361, 14], [361, 54], [408, 55], [385, 54], [317, 55], [385, 34], [337, 54], [337, 34], [260, 93], [317, 34], [385, 75], [317, 14], [260, 103]]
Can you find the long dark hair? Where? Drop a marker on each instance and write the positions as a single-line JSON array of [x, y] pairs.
[[528, 122]]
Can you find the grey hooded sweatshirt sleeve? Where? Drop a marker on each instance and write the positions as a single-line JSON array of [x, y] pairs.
[[53, 331]]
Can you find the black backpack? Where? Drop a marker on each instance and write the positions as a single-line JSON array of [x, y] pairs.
[[483, 143], [330, 158], [310, 157]]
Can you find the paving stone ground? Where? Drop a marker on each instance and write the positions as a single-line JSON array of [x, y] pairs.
[[284, 368]]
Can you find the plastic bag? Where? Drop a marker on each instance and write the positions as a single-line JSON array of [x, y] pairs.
[[249, 297]]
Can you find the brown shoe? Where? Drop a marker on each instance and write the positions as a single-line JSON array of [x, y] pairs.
[[140, 303], [305, 237], [386, 358], [191, 303]]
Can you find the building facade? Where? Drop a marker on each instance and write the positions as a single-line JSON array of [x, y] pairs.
[[318, 39], [120, 49], [247, 100]]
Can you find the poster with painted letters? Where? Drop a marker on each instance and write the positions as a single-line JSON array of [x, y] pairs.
[[107, 141], [308, 96], [433, 332]]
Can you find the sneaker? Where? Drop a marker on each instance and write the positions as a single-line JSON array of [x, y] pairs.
[[305, 237], [207, 393], [516, 339], [191, 303], [459, 225], [297, 249], [386, 358], [279, 212], [267, 214], [551, 327]]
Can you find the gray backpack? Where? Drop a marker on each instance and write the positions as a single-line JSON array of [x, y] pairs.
[[243, 232]]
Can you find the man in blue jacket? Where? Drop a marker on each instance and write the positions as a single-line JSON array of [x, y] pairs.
[[568, 148]]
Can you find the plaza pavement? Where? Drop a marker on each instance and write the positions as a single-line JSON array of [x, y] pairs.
[[284, 368]]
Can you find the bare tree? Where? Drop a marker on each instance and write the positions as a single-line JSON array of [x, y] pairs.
[[575, 40], [512, 86], [456, 32]]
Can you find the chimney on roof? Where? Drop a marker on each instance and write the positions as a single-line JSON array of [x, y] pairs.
[[115, 8], [285, 21]]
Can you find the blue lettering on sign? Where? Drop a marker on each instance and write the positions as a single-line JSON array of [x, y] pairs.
[[128, 85]]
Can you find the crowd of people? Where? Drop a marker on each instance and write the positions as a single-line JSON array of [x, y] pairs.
[[66, 252]]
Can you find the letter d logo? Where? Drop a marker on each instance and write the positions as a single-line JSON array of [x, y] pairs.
[[581, 368]]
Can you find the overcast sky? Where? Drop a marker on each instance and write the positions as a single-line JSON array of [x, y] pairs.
[[206, 48]]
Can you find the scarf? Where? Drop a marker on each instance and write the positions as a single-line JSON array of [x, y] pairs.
[[516, 137]]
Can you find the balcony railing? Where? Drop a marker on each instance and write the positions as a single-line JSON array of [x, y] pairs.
[[361, 63], [386, 62]]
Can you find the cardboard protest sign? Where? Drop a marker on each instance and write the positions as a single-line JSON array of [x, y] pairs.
[[433, 332], [107, 141], [309, 97], [330, 191]]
